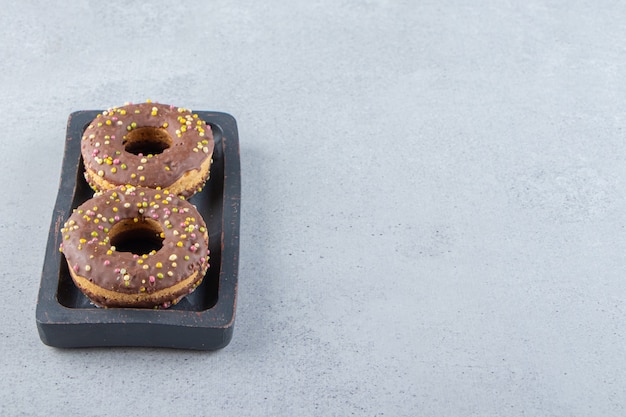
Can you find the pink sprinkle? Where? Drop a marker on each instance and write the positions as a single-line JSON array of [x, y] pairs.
[[112, 136], [95, 152], [155, 216], [114, 118], [152, 279], [107, 262], [208, 252], [100, 227], [140, 154], [117, 270], [76, 268], [192, 248], [135, 256], [116, 161], [117, 218], [193, 235]]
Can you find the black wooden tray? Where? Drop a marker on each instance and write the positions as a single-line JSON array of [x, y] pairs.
[[204, 319]]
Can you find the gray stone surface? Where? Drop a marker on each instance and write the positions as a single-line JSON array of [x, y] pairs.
[[433, 203]]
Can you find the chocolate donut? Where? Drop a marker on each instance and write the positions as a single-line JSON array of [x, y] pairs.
[[136, 247], [148, 145]]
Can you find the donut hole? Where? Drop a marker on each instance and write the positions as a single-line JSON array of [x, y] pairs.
[[147, 141], [138, 237]]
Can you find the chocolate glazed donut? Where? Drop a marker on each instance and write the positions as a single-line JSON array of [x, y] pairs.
[[148, 145], [136, 247]]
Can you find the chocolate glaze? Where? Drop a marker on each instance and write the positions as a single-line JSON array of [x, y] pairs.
[[88, 251], [104, 145]]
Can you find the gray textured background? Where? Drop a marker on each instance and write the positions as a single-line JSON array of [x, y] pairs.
[[433, 203]]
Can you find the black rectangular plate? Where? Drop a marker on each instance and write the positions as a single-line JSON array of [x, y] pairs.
[[204, 319]]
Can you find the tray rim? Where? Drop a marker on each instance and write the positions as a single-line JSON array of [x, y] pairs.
[[52, 316]]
